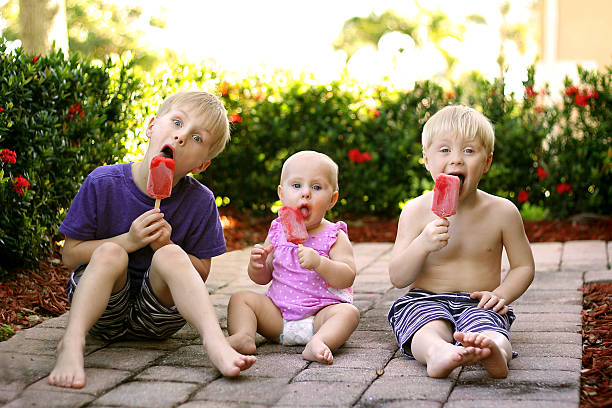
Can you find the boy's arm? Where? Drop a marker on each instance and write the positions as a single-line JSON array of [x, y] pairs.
[[412, 246], [339, 269], [144, 230], [522, 268]]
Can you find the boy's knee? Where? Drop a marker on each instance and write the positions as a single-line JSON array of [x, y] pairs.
[[169, 255], [112, 254]]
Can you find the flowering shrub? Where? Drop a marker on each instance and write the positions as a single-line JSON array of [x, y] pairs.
[[575, 174], [374, 136], [59, 119]]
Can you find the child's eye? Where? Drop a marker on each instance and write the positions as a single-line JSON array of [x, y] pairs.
[[316, 187], [197, 138], [177, 122], [469, 150], [445, 150], [296, 185]]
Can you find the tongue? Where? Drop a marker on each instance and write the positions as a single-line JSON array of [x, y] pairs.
[[304, 212]]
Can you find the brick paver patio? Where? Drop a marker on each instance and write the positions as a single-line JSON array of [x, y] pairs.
[[368, 371]]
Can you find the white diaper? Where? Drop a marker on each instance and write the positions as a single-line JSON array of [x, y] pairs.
[[297, 332]]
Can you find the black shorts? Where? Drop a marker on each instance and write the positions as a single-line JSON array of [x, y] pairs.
[[141, 315]]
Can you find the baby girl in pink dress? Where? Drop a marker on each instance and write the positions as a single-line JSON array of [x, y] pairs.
[[309, 301]]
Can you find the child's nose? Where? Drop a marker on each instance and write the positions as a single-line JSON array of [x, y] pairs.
[[180, 139], [306, 191]]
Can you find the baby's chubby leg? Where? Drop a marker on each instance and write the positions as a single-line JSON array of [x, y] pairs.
[[174, 279], [333, 325], [249, 313], [496, 362], [433, 346], [105, 274]]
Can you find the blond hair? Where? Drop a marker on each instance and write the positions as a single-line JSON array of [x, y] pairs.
[[333, 167], [460, 121], [212, 111]]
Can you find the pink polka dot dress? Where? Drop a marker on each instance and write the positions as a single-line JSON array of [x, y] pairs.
[[299, 292]]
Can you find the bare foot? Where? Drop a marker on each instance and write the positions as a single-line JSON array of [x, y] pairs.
[[496, 363], [316, 350], [242, 343], [445, 359], [69, 371], [227, 360]]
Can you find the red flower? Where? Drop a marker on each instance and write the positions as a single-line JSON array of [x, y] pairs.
[[450, 95], [356, 156], [376, 112], [581, 99], [592, 94], [8, 156], [571, 90], [235, 118], [75, 110], [1, 110], [20, 185], [564, 187], [35, 58], [542, 173], [523, 196], [529, 92]]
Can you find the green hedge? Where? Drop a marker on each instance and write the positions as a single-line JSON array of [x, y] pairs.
[[59, 119], [569, 141]]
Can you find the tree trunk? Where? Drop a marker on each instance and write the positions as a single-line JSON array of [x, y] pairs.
[[43, 22]]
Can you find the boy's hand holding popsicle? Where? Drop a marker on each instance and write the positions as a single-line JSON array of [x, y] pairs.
[[444, 204], [159, 186], [294, 226]]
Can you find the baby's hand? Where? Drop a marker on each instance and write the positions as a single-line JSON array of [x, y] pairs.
[[435, 235], [489, 300], [308, 257], [259, 254]]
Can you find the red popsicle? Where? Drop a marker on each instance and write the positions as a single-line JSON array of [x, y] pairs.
[[293, 224], [161, 174], [446, 195]]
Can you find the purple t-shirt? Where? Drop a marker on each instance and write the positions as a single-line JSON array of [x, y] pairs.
[[109, 201]]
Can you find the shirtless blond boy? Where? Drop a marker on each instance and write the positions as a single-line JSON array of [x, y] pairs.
[[457, 310]]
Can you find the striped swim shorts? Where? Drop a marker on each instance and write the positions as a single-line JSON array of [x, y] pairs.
[[139, 315], [417, 307]]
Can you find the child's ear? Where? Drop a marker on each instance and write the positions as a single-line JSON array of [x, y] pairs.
[[425, 160], [279, 192], [201, 168], [150, 127], [333, 201], [488, 163]]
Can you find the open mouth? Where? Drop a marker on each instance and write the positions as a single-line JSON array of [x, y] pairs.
[[167, 151], [305, 211]]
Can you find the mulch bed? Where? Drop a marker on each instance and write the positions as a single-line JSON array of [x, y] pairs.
[[30, 297], [596, 374]]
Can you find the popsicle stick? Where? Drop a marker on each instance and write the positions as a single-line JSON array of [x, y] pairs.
[[157, 202]]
